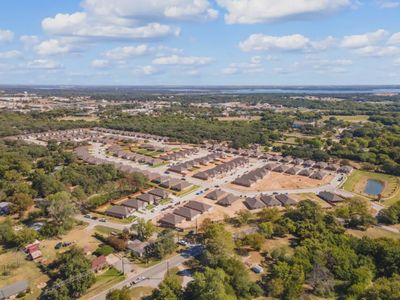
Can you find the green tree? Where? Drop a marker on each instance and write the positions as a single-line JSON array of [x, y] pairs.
[[144, 229], [61, 210], [119, 294], [266, 229]]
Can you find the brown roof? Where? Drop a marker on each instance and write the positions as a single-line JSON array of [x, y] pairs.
[[171, 219], [228, 200], [201, 207], [188, 213], [216, 195], [253, 203]]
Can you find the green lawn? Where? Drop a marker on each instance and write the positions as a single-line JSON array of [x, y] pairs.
[[105, 229], [140, 292], [355, 183], [374, 233], [104, 281], [352, 119]]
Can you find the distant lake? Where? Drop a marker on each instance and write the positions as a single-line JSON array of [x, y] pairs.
[[373, 187]]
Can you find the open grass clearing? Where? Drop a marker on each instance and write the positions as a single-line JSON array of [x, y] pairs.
[[374, 233], [14, 267], [239, 118], [352, 119], [357, 181], [140, 292], [104, 281], [105, 229]]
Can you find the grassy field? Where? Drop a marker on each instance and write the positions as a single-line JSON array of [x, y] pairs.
[[240, 118], [357, 180], [374, 233], [140, 292], [105, 229], [351, 119], [14, 267], [103, 282], [79, 118], [312, 197]]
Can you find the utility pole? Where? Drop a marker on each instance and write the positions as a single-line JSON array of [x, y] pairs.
[[167, 268]]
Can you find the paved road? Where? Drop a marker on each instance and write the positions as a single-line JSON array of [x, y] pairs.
[[155, 273]]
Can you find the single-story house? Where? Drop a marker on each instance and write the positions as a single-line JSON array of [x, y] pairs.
[[330, 197], [285, 199], [318, 175], [293, 170], [138, 247], [199, 206], [345, 169], [171, 220], [181, 186], [134, 203], [146, 198], [216, 195], [14, 289], [306, 172], [253, 203], [186, 212], [270, 201], [99, 263], [119, 211], [228, 200], [160, 193]]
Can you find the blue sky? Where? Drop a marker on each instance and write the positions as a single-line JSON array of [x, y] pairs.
[[200, 42]]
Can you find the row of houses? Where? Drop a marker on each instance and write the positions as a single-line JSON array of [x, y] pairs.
[[263, 201], [283, 159], [198, 162], [128, 207], [222, 168], [177, 155], [188, 212], [223, 198], [140, 135], [117, 151], [296, 170], [250, 178]]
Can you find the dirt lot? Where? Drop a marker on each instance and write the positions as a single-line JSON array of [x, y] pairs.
[[21, 269], [280, 181], [80, 236]]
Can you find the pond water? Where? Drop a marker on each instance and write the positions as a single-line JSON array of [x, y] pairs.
[[373, 187]]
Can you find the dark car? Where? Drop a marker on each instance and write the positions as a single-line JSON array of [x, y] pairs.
[[58, 245]]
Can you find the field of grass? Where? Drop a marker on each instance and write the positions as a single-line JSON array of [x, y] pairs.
[[188, 191], [103, 282], [105, 229], [312, 197], [140, 292], [79, 118], [357, 180], [374, 233], [352, 119], [240, 118], [14, 267]]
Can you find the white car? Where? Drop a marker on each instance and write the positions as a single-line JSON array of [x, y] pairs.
[[138, 279]]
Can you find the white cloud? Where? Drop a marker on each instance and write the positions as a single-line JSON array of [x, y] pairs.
[[6, 36], [52, 47], [182, 60], [397, 62], [149, 70], [43, 64], [388, 4], [10, 54], [261, 42], [364, 40], [139, 9], [377, 51], [29, 40], [120, 53], [81, 25], [394, 39], [100, 63], [263, 11]]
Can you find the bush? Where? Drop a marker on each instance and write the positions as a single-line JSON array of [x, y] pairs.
[[104, 250]]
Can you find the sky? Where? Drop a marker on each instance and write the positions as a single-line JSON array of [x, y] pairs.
[[200, 42]]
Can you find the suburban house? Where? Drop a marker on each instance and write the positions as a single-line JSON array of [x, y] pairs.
[[160, 193], [270, 201], [119, 211], [330, 197], [134, 204], [188, 213], [253, 203], [228, 200], [216, 195], [138, 247], [201, 207], [286, 200], [171, 220], [99, 263]]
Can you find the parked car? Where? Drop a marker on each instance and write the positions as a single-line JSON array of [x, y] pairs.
[[88, 216], [138, 279], [58, 245], [102, 220]]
